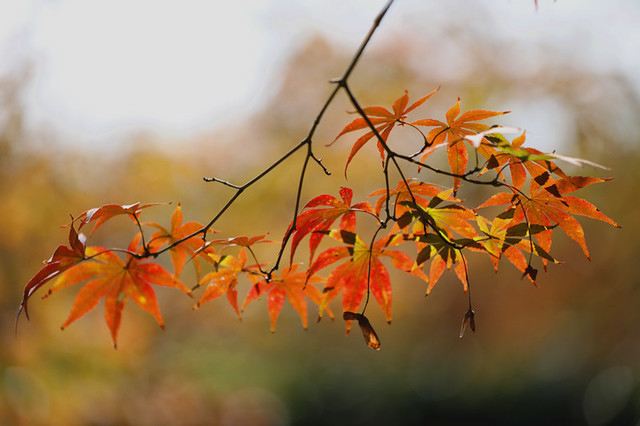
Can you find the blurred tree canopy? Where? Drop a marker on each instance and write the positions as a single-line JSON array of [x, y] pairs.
[[565, 353]]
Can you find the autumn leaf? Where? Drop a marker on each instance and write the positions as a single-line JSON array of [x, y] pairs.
[[106, 276], [292, 285], [225, 278], [383, 120], [322, 212], [63, 258], [521, 160], [362, 270], [444, 255], [402, 194], [511, 155], [181, 252], [504, 237], [453, 133], [445, 219], [101, 214], [368, 332], [243, 241], [548, 205], [478, 138]]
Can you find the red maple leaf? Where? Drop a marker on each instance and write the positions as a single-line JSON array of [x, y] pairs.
[[101, 214], [322, 211], [63, 258], [362, 271]]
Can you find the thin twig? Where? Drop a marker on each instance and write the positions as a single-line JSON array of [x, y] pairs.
[[306, 142]]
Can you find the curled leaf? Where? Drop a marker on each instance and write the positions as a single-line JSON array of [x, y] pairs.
[[242, 241], [368, 332], [63, 258], [530, 272], [469, 319], [577, 161], [476, 140], [101, 214]]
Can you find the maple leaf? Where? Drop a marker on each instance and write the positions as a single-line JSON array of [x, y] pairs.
[[292, 285], [181, 252], [416, 190], [514, 156], [478, 138], [521, 160], [243, 241], [362, 271], [323, 211], [63, 258], [453, 133], [383, 120], [101, 214], [444, 219], [509, 239], [106, 276], [443, 255], [547, 205], [441, 247], [225, 278]]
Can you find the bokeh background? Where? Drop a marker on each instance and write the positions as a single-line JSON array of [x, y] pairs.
[[137, 101]]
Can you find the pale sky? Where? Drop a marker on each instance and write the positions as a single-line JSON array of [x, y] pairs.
[[103, 69]]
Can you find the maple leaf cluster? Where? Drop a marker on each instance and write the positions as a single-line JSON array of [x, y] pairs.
[[421, 229]]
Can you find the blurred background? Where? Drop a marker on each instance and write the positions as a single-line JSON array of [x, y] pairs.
[[132, 101]]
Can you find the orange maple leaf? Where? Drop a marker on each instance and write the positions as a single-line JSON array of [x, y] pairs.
[[443, 256], [403, 194], [181, 252], [453, 133], [505, 237], [243, 241], [548, 205], [521, 160], [106, 276], [383, 120], [292, 285], [444, 219], [225, 278]]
